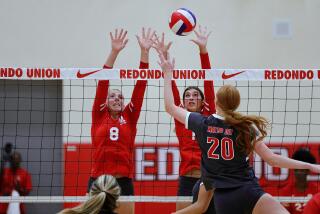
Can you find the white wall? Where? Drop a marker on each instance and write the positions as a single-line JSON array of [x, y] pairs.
[[74, 33]]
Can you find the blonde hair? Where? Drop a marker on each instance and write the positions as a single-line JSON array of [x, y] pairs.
[[228, 100], [103, 197]]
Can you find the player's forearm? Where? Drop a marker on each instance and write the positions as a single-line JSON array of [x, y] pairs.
[[203, 49], [205, 60], [175, 111], [284, 162], [168, 95], [111, 58], [144, 56]]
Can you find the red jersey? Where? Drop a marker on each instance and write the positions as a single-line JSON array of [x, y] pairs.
[[189, 149], [19, 180], [113, 140], [313, 205], [290, 190]]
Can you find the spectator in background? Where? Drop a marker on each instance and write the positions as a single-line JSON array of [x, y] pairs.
[[103, 196], [313, 205], [15, 181], [299, 186]]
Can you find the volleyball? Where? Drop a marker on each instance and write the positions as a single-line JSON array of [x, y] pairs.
[[182, 21]]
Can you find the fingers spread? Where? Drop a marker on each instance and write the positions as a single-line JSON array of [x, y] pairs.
[[111, 36]]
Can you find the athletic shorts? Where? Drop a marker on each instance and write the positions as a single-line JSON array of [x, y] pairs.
[[125, 183], [185, 185], [237, 200], [195, 193]]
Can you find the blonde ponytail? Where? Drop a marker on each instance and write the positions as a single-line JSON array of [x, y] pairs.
[[103, 196]]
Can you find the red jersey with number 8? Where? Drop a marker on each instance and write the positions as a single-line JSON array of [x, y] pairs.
[[113, 140]]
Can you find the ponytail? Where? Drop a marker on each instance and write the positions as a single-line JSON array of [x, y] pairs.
[[228, 100], [103, 197], [246, 126]]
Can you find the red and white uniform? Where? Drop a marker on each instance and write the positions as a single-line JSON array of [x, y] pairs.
[[189, 149], [290, 190], [10, 181], [113, 140], [313, 205]]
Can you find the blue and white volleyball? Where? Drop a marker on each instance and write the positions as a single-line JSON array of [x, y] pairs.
[[182, 22]]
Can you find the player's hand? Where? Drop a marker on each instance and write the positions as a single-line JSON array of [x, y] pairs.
[[146, 39], [166, 64], [118, 40], [160, 45], [201, 39], [315, 168]]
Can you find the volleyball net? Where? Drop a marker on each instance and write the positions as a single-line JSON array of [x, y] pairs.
[[45, 113]]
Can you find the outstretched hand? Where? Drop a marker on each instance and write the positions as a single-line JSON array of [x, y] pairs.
[[166, 64], [201, 39], [146, 39], [118, 40], [160, 45]]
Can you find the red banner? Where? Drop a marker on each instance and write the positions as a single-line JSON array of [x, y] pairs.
[[157, 171]]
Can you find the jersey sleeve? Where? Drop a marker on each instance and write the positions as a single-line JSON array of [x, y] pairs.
[[209, 105], [176, 94], [205, 61], [100, 99], [137, 97], [194, 122]]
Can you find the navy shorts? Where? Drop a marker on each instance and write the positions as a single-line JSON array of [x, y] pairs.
[[125, 183], [185, 185], [195, 193], [237, 200]]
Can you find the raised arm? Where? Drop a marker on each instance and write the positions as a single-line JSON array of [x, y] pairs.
[[276, 160], [201, 41], [162, 48], [118, 42], [178, 113], [145, 42]]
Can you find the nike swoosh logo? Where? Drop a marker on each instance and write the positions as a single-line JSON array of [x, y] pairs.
[[83, 75], [228, 76]]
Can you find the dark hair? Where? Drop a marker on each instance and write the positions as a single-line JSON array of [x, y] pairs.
[[228, 99], [195, 88], [304, 154], [8, 148]]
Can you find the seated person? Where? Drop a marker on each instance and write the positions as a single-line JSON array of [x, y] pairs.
[[299, 186], [15, 181]]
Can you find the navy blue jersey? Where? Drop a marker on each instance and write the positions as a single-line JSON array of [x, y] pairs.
[[223, 165]]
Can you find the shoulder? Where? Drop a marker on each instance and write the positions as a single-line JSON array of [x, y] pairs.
[[195, 116], [215, 119], [24, 171]]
